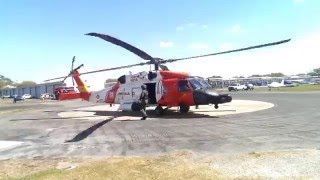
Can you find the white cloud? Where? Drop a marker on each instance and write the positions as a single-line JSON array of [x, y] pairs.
[[179, 28], [300, 55], [185, 26], [198, 46], [204, 26], [166, 44], [190, 24]]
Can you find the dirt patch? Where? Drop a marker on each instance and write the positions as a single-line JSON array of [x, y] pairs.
[[297, 164], [24, 167], [301, 164], [174, 166]]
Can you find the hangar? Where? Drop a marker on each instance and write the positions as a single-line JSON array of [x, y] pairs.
[[35, 90]]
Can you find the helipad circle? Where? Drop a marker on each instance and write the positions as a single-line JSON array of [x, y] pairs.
[[105, 111]]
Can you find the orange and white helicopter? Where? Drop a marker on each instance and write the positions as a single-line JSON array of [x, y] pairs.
[[165, 88]]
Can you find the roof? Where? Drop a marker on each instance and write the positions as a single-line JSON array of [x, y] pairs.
[[8, 87]]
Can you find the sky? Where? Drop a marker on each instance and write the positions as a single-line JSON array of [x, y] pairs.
[[39, 38]]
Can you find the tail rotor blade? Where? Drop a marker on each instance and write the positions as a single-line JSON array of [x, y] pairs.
[[73, 59]]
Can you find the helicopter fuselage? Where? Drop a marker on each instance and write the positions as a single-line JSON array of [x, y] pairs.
[[165, 88]]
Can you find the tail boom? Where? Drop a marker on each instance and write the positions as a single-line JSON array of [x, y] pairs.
[[83, 89]]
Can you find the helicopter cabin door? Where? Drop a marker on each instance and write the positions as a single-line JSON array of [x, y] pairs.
[[151, 88], [159, 90]]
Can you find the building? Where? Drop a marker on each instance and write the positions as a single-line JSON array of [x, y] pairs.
[[256, 81], [35, 90]]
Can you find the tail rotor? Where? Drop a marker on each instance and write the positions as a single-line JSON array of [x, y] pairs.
[[73, 59], [70, 73]]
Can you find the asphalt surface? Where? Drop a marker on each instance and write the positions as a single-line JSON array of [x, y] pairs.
[[293, 123]]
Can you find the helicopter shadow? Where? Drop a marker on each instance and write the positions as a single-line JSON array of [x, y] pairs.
[[54, 118], [217, 111], [169, 114], [85, 133]]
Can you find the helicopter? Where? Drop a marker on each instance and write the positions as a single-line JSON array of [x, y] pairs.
[[165, 88]]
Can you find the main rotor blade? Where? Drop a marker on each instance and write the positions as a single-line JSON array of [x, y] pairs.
[[56, 78], [125, 45], [102, 70], [230, 51], [115, 68], [64, 78], [164, 67]]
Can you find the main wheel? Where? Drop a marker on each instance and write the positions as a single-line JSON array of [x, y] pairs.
[[184, 108], [159, 111], [216, 106]]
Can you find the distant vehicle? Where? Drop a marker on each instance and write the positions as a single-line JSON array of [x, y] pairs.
[[5, 96], [18, 98], [62, 93], [276, 84], [314, 83], [249, 87], [46, 96], [236, 87], [26, 96], [282, 84]]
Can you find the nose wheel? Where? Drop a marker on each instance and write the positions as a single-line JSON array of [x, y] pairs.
[[159, 111], [184, 108], [216, 106]]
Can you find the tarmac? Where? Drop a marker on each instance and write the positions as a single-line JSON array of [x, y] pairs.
[[39, 129]]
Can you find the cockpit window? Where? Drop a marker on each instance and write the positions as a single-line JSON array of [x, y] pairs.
[[195, 84], [203, 83], [183, 86], [199, 83]]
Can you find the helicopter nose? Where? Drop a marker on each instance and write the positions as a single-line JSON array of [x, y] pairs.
[[211, 98], [219, 98], [224, 98]]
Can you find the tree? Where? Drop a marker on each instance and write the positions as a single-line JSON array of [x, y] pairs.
[[256, 75], [216, 76], [25, 83], [301, 74], [315, 72], [5, 81], [278, 74], [238, 77]]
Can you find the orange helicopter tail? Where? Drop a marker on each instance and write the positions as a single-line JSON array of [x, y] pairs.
[[83, 89]]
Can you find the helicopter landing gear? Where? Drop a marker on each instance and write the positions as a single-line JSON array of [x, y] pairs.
[[184, 108], [216, 106], [159, 111]]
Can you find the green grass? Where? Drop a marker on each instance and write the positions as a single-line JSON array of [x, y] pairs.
[[300, 88], [176, 166]]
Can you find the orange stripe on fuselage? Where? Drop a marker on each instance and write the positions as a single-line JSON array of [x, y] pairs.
[[111, 95]]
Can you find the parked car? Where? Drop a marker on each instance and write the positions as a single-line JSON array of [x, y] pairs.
[[236, 87], [249, 87], [5, 96], [314, 83], [26, 96], [46, 96], [17, 98]]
